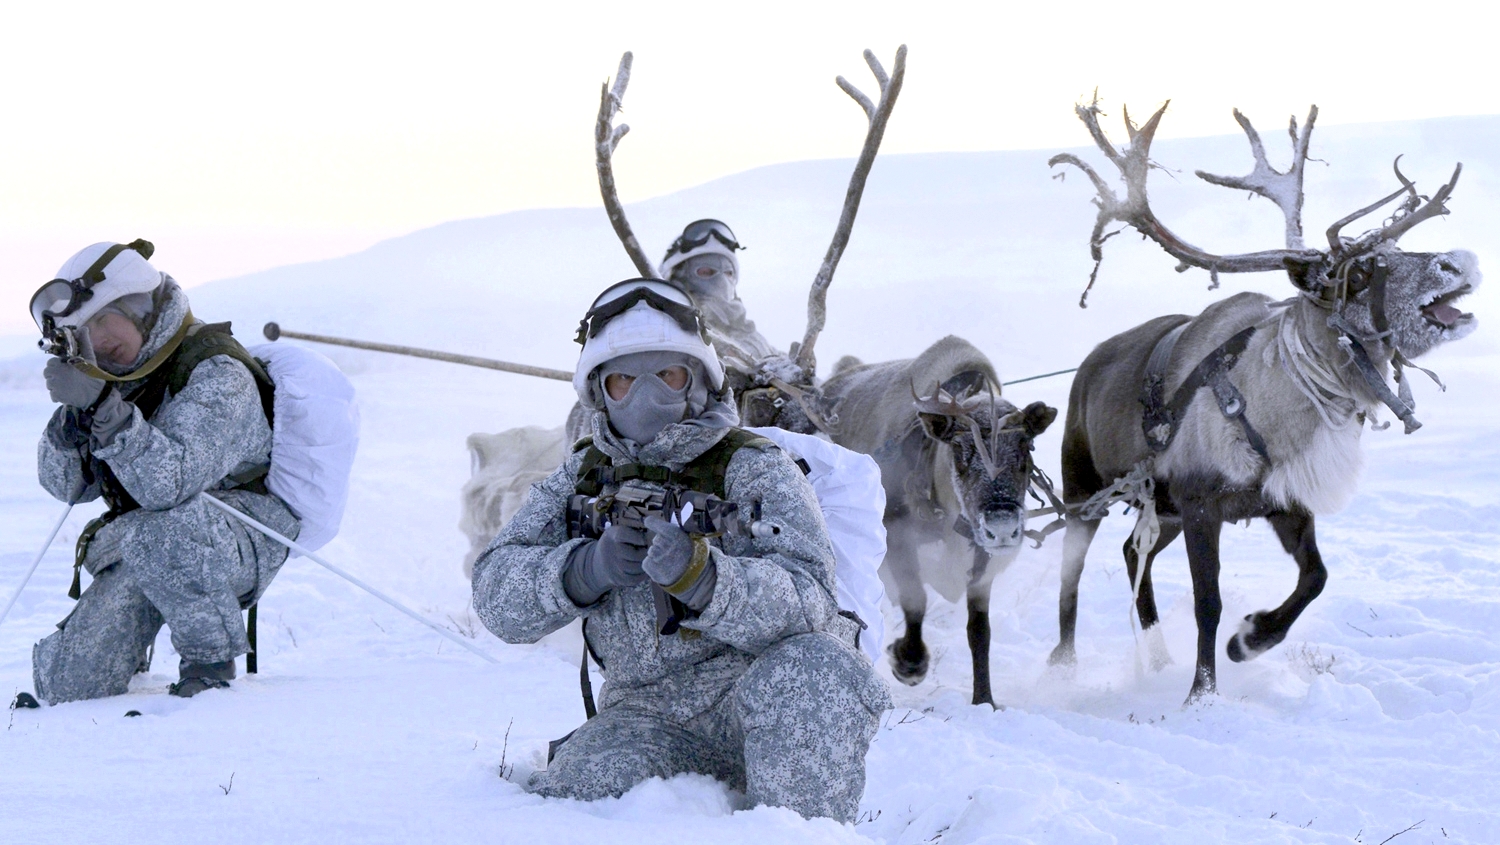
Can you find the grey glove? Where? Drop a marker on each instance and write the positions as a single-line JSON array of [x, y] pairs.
[[680, 564], [610, 562], [67, 385], [111, 417]]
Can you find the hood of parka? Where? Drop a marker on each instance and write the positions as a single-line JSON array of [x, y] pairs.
[[170, 313]]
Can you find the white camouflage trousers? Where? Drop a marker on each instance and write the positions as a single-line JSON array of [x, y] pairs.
[[792, 732], [190, 567]]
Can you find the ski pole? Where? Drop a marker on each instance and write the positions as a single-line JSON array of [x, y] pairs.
[[292, 544], [274, 331], [27, 577]]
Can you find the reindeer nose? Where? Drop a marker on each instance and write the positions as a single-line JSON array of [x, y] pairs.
[[1002, 527]]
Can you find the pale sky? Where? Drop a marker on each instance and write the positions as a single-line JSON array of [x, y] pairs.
[[246, 136]]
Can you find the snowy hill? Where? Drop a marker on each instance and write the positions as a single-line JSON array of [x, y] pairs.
[[1381, 709]]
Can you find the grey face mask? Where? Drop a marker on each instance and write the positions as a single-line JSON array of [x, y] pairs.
[[651, 405], [708, 276]]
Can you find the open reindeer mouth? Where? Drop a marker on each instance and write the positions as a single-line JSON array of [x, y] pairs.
[[1440, 311]]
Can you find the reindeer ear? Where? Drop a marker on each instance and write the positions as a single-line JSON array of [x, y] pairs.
[[1304, 274], [965, 385], [937, 426], [1036, 418]]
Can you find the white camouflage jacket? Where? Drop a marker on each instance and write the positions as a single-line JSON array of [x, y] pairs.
[[767, 589]]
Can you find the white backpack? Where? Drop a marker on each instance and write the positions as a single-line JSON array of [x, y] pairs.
[[313, 440], [852, 500]]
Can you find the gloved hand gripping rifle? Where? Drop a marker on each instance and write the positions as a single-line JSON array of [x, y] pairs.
[[701, 515]]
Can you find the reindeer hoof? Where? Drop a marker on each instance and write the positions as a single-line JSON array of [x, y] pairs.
[[1205, 687], [1245, 645], [1063, 655], [908, 671]]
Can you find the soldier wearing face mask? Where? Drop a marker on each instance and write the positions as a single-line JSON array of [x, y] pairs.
[[702, 260], [755, 679]]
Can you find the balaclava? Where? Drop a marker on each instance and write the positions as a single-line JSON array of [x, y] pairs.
[[651, 405]]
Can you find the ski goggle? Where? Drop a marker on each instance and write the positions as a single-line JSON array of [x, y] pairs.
[[62, 297], [665, 297], [697, 234]]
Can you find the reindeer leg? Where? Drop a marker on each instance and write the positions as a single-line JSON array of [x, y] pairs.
[[1266, 628], [979, 623], [979, 646], [1202, 526], [1077, 536], [909, 660], [1145, 602]]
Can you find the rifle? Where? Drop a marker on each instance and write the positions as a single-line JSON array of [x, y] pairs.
[[701, 515]]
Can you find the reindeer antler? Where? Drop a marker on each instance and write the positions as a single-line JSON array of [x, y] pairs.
[[606, 138], [1409, 214], [1134, 163], [817, 299], [1284, 189]]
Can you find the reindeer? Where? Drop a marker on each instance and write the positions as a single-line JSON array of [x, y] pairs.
[[1288, 387], [955, 463], [960, 450]]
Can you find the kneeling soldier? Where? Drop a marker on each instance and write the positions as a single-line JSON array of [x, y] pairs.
[[157, 407], [723, 653]]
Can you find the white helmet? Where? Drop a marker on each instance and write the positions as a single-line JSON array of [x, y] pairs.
[[93, 278], [642, 315], [697, 238]]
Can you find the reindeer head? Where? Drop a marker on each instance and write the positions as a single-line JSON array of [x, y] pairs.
[[991, 442], [1377, 292]]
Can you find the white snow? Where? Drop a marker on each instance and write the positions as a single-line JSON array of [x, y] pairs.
[[1381, 710]]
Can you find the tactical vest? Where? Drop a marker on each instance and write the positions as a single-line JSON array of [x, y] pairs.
[[201, 343], [704, 474]]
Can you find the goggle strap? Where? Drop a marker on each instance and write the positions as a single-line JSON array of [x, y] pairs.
[[95, 274], [598, 317], [684, 244]]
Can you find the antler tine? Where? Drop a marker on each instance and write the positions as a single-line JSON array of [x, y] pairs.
[[1435, 207], [1335, 243], [879, 115], [1282, 188], [858, 95], [878, 69], [622, 79], [1415, 211], [606, 138], [1135, 210]]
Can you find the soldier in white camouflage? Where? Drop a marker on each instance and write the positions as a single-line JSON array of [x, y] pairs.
[[754, 679], [155, 407]]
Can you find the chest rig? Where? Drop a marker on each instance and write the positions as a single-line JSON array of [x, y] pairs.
[[597, 490]]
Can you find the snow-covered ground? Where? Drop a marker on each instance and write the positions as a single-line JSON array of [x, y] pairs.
[[1380, 712]]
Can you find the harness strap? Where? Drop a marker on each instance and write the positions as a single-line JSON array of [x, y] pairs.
[[251, 666], [586, 684], [1162, 419], [1405, 410]]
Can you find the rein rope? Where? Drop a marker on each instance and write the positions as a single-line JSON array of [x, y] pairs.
[[1324, 387]]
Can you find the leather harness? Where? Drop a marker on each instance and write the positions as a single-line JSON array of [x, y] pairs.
[[1163, 416]]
